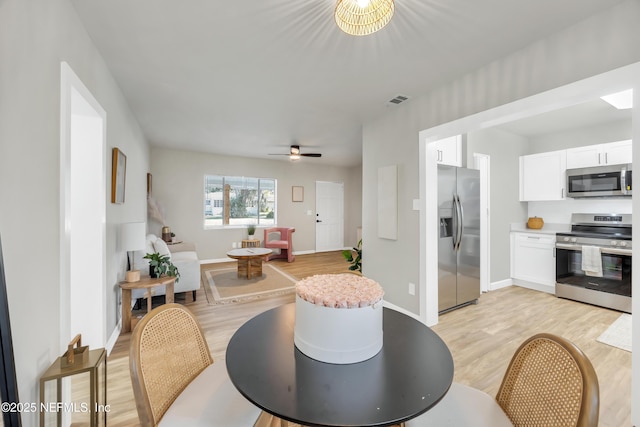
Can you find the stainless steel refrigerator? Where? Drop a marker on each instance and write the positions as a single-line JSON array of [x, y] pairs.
[[459, 241]]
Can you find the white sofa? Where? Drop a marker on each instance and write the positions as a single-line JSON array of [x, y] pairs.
[[183, 256]]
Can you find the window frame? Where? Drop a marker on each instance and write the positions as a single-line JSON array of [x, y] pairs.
[[224, 179]]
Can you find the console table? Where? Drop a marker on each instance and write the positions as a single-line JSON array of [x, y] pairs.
[[148, 283]]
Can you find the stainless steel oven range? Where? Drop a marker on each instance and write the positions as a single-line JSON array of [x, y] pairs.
[[593, 260]]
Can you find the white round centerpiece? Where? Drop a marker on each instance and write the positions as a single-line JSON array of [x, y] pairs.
[[338, 318]]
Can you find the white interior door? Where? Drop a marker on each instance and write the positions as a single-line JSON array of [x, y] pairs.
[[329, 216]]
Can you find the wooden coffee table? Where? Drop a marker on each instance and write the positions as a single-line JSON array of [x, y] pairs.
[[148, 283], [249, 261]]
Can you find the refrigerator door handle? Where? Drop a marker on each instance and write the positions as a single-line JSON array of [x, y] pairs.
[[460, 215], [455, 220]]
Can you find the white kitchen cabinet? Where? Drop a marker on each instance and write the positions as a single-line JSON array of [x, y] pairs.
[[533, 262], [542, 176], [612, 153], [449, 151]]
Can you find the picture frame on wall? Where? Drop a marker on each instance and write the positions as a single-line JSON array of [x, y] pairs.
[[297, 193], [118, 175]]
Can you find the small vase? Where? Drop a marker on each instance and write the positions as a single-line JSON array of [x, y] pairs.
[[152, 272]]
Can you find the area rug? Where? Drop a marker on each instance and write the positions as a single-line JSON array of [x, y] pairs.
[[222, 285], [619, 333]]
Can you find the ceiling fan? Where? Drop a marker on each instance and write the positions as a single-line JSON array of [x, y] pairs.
[[295, 154]]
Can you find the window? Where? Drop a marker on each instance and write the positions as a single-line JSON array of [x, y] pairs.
[[239, 200]]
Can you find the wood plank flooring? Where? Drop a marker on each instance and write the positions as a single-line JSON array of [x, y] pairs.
[[482, 338]]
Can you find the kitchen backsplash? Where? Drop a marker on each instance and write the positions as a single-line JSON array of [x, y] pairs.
[[560, 211]]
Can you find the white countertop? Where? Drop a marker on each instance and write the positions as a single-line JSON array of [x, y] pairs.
[[546, 228]]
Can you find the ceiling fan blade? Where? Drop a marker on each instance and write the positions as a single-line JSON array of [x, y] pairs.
[[278, 154], [311, 154]]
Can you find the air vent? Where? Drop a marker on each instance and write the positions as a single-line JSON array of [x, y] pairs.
[[399, 99]]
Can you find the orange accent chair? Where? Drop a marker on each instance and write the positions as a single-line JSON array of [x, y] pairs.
[[282, 242]]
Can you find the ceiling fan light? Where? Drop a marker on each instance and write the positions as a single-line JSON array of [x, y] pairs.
[[359, 18], [295, 150], [294, 157]]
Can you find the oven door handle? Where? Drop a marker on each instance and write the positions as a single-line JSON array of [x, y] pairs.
[[613, 251]]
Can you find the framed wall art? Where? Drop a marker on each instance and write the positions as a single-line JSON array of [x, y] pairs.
[[118, 176], [297, 193]]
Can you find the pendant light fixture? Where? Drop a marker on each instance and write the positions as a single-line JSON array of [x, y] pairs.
[[363, 17]]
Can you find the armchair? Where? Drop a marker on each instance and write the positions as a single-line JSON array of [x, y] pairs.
[[282, 241]]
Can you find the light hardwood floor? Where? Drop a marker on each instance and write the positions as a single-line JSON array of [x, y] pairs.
[[482, 339]]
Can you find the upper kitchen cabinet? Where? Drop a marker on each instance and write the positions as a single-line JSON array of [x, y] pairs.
[[449, 151], [613, 153], [542, 176]]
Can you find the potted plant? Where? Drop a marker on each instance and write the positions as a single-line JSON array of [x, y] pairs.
[[251, 230], [356, 261], [160, 265]]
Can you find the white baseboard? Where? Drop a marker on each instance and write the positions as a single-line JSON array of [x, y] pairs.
[[500, 284], [550, 289], [216, 260], [401, 310], [114, 337]]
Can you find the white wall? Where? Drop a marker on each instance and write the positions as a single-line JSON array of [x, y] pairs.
[[35, 36], [178, 185], [505, 149], [570, 55], [601, 43]]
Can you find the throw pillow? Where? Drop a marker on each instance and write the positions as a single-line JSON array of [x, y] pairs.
[[162, 248]]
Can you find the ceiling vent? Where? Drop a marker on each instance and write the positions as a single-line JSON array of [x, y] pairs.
[[399, 99]]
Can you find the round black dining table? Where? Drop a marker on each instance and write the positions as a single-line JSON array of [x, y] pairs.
[[411, 373]]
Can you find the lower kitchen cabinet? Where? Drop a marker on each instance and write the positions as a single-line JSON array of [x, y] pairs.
[[533, 263]]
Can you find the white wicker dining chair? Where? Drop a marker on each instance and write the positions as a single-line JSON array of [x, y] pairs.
[[549, 382], [175, 381]]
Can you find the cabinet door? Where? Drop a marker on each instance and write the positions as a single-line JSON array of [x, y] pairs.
[[617, 153], [542, 176], [450, 151], [583, 157], [533, 258]]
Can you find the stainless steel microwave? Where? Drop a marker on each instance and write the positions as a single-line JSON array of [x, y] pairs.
[[600, 181]]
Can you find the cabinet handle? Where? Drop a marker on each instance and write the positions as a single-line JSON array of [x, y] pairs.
[[606, 159], [599, 162]]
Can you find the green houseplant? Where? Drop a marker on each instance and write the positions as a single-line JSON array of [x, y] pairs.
[[356, 261], [161, 265], [251, 230]]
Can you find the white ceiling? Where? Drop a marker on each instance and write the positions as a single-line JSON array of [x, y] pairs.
[[588, 114], [251, 77]]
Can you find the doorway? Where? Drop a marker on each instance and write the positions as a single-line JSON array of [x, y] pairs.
[[329, 216], [83, 213]]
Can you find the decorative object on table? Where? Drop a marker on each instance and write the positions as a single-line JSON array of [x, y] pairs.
[[166, 234], [356, 261], [338, 318], [535, 223], [297, 193], [9, 383], [91, 362], [76, 354], [155, 210], [251, 231], [160, 265], [132, 238], [363, 17], [118, 175]]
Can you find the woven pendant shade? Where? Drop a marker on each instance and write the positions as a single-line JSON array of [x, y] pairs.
[[357, 20]]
